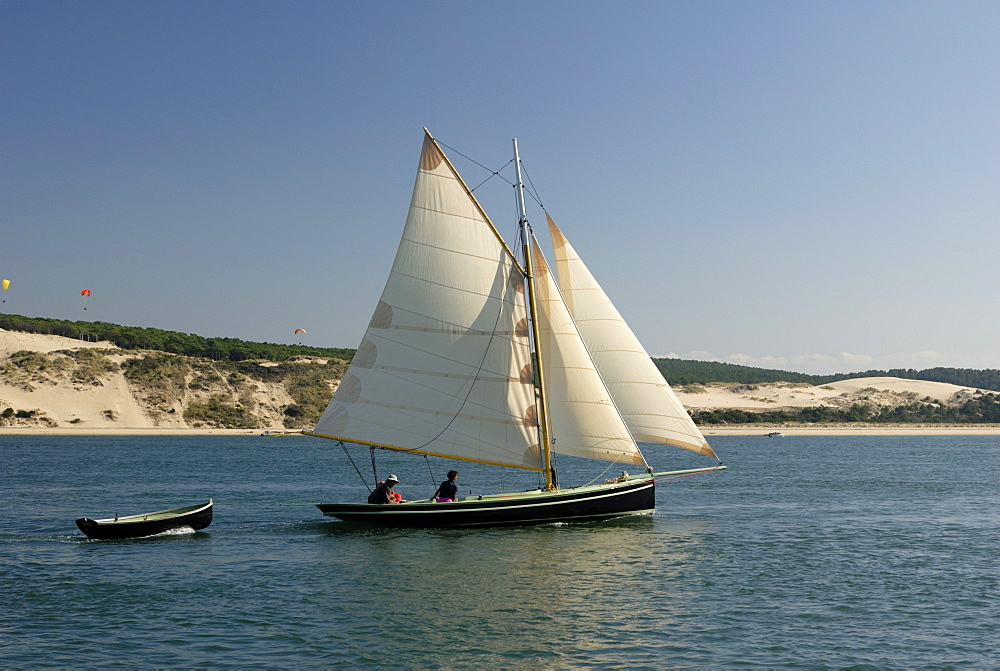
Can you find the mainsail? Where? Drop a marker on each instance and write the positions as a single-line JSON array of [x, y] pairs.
[[444, 367], [647, 403]]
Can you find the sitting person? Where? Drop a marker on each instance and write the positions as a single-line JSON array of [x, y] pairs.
[[448, 491], [384, 494]]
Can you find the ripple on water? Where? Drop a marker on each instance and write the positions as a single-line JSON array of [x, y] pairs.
[[819, 552]]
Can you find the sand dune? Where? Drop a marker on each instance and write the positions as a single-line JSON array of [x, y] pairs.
[[110, 406], [15, 341], [883, 391], [872, 390], [107, 403]]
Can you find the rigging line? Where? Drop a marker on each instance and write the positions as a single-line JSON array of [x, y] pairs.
[[519, 242], [473, 189], [479, 369], [711, 471], [374, 468], [493, 173], [351, 459], [429, 471], [505, 487], [600, 475], [496, 173], [533, 192], [685, 476]]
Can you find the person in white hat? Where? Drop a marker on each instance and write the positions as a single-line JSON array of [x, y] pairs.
[[383, 493]]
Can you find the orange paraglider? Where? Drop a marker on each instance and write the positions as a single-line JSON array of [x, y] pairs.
[[86, 294], [299, 331]]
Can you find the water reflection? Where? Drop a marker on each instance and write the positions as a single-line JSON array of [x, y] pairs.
[[521, 592]]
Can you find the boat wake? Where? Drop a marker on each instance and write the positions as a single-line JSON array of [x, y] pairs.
[[179, 531]]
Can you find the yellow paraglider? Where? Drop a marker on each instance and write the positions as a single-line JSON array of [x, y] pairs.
[[6, 284]]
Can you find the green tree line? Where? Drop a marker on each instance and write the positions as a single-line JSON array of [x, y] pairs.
[[684, 371], [675, 371], [983, 408], [175, 342]]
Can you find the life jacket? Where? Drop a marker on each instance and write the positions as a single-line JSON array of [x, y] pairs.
[[394, 496]]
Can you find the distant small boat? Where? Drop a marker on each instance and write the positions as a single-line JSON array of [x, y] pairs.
[[273, 434], [775, 434], [147, 524]]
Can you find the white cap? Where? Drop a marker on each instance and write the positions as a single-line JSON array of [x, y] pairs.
[[392, 478]]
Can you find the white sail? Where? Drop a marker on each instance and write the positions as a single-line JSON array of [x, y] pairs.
[[444, 367], [584, 421], [647, 403]]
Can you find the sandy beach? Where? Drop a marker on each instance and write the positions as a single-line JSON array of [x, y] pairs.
[[111, 407], [90, 431], [709, 431], [858, 430], [756, 430]]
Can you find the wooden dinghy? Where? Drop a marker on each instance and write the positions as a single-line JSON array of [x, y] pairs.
[[147, 524]]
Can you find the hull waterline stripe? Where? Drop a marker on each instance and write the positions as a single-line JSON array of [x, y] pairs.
[[475, 506]]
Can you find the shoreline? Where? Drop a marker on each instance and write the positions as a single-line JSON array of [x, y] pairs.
[[858, 430], [757, 430], [47, 431]]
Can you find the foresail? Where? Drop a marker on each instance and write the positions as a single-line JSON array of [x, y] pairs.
[[647, 403], [583, 418], [444, 367]]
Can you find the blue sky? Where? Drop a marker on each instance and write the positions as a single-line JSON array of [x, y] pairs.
[[813, 186]]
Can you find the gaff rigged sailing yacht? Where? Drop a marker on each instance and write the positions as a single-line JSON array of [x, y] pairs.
[[476, 353]]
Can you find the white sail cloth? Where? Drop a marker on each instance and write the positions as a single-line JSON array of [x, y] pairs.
[[583, 416], [440, 369], [445, 366], [647, 403]]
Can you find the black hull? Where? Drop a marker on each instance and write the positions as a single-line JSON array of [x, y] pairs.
[[135, 526], [569, 505]]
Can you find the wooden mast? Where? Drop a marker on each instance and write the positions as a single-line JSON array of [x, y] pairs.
[[544, 440]]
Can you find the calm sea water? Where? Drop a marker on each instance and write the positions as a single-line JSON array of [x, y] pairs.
[[811, 552]]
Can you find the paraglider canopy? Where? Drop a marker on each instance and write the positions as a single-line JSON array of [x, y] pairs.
[[6, 283], [85, 292], [299, 331]]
